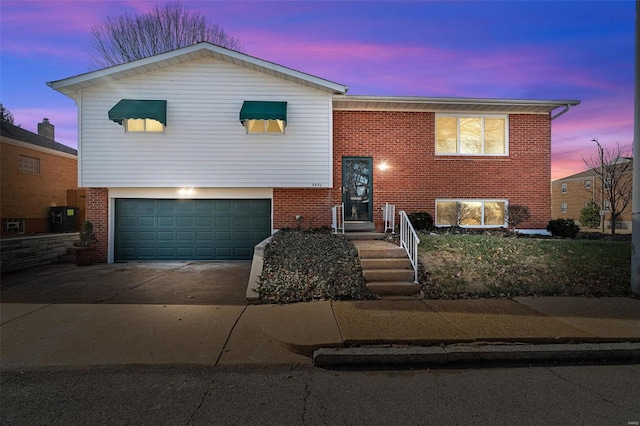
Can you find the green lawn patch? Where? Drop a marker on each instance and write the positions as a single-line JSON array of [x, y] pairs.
[[304, 265], [459, 266]]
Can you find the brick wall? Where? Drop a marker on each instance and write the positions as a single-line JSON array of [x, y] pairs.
[[97, 201], [416, 177], [28, 196]]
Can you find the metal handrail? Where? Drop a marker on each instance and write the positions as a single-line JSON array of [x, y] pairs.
[[337, 218], [410, 241]]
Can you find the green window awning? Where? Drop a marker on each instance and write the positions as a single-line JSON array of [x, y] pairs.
[[263, 110], [139, 108]]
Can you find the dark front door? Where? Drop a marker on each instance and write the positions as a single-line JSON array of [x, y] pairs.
[[357, 188]]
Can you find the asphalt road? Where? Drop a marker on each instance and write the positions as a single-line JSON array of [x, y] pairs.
[[540, 395]]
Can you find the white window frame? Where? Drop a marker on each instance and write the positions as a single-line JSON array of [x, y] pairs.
[[127, 130], [587, 184], [483, 117], [564, 188], [564, 208], [473, 200]]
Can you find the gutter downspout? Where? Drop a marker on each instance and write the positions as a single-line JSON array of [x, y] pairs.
[[565, 110]]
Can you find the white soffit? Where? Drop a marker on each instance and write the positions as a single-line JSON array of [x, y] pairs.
[[461, 105]]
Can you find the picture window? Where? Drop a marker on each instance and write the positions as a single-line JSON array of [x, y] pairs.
[[472, 135]]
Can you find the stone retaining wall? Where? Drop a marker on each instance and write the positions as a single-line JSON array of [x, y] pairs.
[[27, 252]]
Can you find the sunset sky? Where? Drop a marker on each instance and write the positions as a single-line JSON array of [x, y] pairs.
[[582, 50]]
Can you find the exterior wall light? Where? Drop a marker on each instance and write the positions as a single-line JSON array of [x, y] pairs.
[[383, 165], [185, 192]]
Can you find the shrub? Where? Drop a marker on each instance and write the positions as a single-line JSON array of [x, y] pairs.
[[517, 214], [590, 215], [421, 221], [565, 228]]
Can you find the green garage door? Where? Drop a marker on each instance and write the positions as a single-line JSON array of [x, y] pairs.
[[148, 229]]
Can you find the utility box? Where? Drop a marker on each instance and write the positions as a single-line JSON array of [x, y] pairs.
[[63, 219]]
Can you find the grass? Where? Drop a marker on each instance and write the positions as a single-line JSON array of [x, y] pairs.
[[465, 266], [304, 265]]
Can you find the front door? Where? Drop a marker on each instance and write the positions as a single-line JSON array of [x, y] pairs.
[[357, 188]]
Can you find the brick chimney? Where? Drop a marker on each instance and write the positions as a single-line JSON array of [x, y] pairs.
[[46, 129]]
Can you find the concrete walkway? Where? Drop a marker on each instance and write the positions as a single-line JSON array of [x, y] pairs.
[[45, 335]]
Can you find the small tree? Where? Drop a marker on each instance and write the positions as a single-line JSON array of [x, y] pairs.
[[613, 169], [171, 26], [5, 114], [515, 215], [590, 215]]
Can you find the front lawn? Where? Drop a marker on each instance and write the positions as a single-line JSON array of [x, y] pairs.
[[459, 266]]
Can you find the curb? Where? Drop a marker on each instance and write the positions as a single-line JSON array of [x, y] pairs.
[[453, 354]]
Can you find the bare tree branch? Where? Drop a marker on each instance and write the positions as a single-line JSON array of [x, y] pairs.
[[612, 168], [168, 27]]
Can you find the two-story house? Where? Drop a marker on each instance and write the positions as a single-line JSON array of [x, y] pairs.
[[37, 173], [202, 152]]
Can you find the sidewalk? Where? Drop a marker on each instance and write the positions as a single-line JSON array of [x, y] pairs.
[[44, 335]]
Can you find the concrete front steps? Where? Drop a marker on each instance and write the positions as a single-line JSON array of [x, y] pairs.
[[386, 267]]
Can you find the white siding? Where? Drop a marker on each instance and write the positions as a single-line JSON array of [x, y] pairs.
[[204, 144]]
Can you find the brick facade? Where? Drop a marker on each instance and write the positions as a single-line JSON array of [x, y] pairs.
[[29, 196], [97, 201], [416, 176]]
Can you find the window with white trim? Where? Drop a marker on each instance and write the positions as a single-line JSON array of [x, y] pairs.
[[467, 134], [587, 184], [563, 207], [143, 125], [564, 188], [471, 213], [29, 165]]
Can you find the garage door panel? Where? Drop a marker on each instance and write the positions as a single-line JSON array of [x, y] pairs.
[[190, 229], [206, 221], [166, 236], [223, 205]]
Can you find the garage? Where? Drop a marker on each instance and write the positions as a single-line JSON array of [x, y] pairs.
[[163, 229]]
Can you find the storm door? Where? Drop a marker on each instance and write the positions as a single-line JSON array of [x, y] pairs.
[[357, 188]]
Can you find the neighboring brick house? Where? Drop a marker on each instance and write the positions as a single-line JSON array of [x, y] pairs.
[[37, 173], [570, 194], [202, 152]]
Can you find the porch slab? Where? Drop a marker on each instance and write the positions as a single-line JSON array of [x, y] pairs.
[[394, 322], [506, 320], [610, 318]]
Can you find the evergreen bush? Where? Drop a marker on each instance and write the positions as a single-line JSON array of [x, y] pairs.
[[565, 228]]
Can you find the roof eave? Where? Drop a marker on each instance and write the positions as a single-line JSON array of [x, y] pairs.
[[70, 86], [411, 103]]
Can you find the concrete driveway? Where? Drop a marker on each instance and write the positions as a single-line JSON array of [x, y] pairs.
[[166, 283]]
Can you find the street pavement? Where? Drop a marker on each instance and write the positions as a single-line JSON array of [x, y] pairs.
[[195, 314], [282, 395]]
